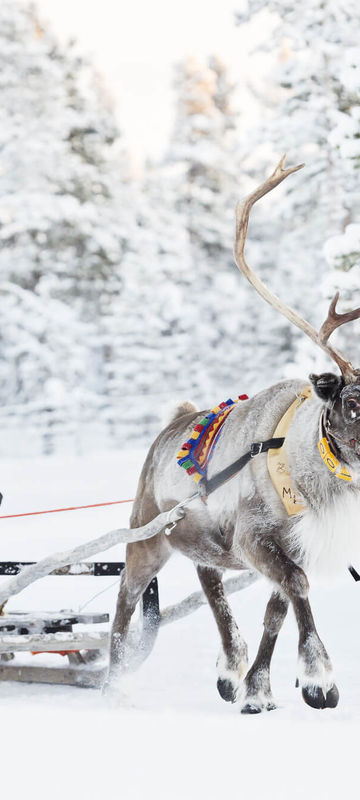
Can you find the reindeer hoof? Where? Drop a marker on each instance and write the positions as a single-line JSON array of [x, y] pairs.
[[332, 697], [270, 706], [256, 707], [251, 708], [315, 697], [226, 690]]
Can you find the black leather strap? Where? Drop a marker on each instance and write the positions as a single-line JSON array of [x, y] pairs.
[[354, 573], [233, 469]]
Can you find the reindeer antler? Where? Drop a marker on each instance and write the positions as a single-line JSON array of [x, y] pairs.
[[333, 320]]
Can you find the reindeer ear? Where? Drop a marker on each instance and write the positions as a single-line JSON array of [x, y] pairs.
[[327, 386]]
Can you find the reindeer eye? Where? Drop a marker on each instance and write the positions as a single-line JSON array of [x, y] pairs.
[[352, 404]]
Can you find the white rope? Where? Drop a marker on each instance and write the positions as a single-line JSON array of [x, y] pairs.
[[94, 596]]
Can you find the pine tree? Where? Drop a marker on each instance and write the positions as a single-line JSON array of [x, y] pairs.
[[203, 165], [204, 151], [64, 214]]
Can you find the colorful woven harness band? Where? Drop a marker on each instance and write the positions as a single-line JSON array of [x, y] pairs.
[[197, 452]]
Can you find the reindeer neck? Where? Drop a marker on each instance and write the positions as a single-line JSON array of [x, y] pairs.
[[319, 474]]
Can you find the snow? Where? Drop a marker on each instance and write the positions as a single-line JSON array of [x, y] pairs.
[[170, 735], [344, 244]]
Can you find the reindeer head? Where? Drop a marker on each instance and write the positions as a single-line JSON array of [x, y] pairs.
[[341, 416], [340, 394]]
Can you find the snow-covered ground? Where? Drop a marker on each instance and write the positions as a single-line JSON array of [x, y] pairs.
[[170, 736]]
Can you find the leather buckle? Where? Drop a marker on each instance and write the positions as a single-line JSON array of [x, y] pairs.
[[256, 448]]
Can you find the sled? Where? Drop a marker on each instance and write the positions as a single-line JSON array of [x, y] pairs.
[[85, 648]]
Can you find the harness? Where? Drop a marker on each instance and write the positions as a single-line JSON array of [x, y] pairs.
[[195, 454]]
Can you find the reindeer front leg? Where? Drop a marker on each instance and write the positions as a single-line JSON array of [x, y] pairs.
[[315, 671], [257, 690]]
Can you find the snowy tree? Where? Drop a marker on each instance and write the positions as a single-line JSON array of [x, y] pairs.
[[143, 327], [64, 215], [203, 166], [204, 152]]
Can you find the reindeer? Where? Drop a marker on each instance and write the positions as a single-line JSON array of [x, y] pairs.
[[244, 524]]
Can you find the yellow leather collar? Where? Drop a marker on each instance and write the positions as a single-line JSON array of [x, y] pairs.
[[328, 457]]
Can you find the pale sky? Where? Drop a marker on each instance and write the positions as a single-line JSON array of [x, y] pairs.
[[135, 43]]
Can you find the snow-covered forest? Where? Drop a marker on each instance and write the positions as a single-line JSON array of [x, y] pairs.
[[119, 292]]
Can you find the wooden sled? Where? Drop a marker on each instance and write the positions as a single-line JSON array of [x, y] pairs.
[[45, 632]]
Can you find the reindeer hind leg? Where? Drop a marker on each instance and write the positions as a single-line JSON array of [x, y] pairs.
[[143, 562]]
